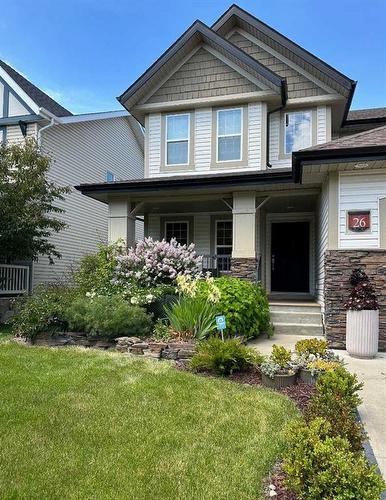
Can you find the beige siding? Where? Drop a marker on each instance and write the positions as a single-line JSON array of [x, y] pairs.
[[202, 122], [203, 143], [298, 84], [202, 234], [14, 134], [82, 153], [153, 227], [359, 191], [203, 75], [322, 242]]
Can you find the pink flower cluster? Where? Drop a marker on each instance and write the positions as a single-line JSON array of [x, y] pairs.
[[152, 262]]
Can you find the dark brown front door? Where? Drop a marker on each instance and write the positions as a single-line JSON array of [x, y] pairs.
[[290, 257]]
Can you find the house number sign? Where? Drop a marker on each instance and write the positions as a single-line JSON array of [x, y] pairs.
[[359, 221]]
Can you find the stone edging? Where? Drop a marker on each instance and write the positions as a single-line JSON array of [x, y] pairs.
[[156, 350]]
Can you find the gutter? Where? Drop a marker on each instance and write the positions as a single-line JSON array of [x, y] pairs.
[[284, 96], [342, 155], [53, 121]]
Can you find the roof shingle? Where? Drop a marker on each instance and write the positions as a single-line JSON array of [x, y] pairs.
[[367, 114], [38, 96], [373, 137]]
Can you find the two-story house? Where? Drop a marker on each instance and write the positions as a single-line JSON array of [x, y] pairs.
[[97, 147], [225, 111]]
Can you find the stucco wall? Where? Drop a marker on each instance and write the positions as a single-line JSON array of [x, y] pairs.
[[338, 267]]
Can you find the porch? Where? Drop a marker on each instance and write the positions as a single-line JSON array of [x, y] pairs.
[[263, 235]]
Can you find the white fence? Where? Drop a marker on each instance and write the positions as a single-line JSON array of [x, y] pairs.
[[13, 279]]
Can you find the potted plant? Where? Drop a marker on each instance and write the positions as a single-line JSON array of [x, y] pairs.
[[278, 370], [362, 322], [309, 351]]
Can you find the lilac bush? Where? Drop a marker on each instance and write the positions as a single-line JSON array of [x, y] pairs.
[[153, 262]]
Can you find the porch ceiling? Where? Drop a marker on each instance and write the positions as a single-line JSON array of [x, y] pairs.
[[185, 207]]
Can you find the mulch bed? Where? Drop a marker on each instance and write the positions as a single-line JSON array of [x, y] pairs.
[[276, 484]]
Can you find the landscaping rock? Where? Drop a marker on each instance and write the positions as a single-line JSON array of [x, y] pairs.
[[169, 354], [186, 353], [136, 350]]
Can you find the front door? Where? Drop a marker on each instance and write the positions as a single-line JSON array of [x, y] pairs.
[[290, 257]]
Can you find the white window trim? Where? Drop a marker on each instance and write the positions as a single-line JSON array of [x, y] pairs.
[[174, 140], [230, 135], [222, 246], [177, 222], [309, 111]]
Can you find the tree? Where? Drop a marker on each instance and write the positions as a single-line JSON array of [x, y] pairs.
[[27, 197]]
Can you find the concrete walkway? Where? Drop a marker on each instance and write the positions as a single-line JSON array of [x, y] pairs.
[[372, 372]]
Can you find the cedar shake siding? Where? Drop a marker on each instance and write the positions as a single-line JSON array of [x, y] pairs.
[[297, 84], [203, 75]]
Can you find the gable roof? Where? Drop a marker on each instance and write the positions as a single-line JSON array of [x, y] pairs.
[[38, 96], [197, 33], [236, 16]]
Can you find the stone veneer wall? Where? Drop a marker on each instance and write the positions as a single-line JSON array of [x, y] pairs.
[[244, 268], [338, 265]]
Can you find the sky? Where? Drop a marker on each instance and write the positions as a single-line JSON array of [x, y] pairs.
[[84, 53]]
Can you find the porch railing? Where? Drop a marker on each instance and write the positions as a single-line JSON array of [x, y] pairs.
[[14, 279], [216, 264]]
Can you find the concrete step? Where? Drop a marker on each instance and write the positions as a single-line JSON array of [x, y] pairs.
[[296, 318], [304, 307], [307, 318], [298, 329]]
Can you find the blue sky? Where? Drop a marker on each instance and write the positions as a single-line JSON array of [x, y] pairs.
[[86, 52]]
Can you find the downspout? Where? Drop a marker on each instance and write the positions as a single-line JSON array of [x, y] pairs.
[[284, 96], [53, 121]]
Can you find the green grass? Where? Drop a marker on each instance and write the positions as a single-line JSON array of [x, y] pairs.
[[5, 331], [95, 425]]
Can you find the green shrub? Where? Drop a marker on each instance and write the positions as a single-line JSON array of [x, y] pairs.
[[319, 466], [224, 356], [316, 347], [244, 304], [161, 330], [281, 356], [335, 400], [340, 384], [44, 311], [96, 271], [108, 317], [191, 318]]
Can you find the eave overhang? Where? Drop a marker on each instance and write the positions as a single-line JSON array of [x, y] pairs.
[[328, 156], [198, 33], [166, 185]]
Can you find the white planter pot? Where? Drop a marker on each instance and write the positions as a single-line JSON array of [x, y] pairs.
[[362, 333]]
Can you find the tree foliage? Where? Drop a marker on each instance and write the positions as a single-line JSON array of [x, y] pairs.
[[27, 203]]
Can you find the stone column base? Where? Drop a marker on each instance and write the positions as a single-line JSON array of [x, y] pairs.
[[338, 265], [244, 268]]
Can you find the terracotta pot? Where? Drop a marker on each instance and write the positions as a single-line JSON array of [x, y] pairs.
[[279, 381], [306, 376], [362, 333]]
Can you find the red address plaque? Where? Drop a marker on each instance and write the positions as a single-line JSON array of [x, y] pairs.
[[359, 221]]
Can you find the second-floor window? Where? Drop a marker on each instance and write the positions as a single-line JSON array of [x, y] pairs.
[[177, 139], [298, 132], [229, 134]]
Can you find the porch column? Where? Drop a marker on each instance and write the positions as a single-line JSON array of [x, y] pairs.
[[121, 223], [243, 261]]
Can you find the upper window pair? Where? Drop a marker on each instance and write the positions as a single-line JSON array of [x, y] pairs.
[[228, 140], [298, 131]]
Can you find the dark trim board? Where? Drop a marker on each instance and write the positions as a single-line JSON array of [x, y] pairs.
[[193, 182]]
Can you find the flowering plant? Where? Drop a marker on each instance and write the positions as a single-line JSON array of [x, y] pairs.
[[362, 296], [188, 285], [153, 262]]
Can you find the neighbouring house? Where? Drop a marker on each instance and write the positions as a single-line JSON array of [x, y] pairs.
[[252, 153], [97, 146]]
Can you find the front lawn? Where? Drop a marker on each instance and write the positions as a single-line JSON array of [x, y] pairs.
[[89, 424]]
